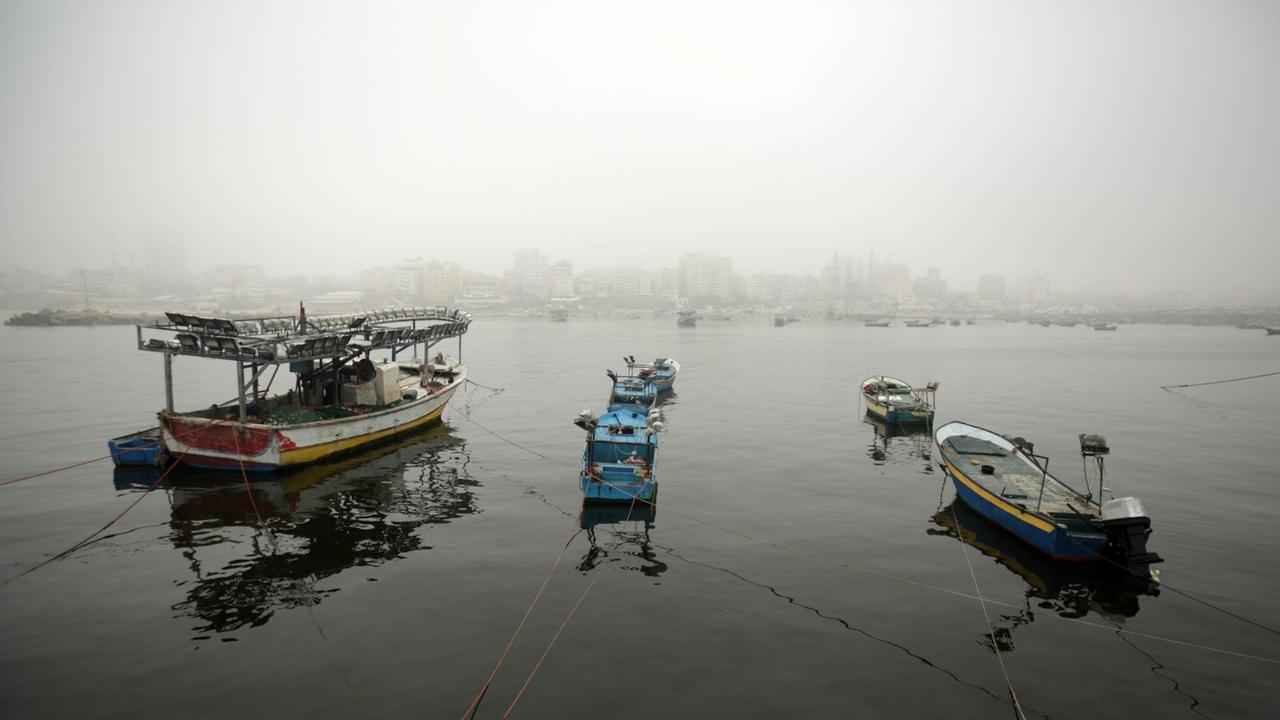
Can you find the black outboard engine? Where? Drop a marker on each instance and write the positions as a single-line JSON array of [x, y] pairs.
[[1127, 526]]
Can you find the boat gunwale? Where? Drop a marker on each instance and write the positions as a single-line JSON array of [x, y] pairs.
[[1005, 444], [171, 415]]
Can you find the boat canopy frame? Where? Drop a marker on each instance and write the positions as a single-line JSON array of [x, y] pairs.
[[257, 343]]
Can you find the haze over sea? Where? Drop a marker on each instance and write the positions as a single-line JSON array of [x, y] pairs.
[[388, 583]]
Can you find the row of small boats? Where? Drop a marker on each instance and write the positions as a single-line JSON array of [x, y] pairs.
[[1006, 482], [619, 463]]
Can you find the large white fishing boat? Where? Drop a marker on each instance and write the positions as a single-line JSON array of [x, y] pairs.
[[341, 398]]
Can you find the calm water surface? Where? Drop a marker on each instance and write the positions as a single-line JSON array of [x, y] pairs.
[[389, 583]]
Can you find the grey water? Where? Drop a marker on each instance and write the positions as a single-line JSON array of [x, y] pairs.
[[800, 562]]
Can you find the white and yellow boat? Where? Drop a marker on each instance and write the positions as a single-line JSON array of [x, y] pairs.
[[896, 402], [341, 399]]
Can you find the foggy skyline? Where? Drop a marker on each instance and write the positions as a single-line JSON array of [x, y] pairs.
[[1122, 147]]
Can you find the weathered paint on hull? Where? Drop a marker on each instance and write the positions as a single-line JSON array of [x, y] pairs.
[[1047, 537], [229, 445], [595, 490], [901, 417]]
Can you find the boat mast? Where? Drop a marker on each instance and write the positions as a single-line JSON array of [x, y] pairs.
[[168, 380], [244, 412]]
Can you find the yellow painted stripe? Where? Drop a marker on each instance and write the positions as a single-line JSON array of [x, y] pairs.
[[311, 453], [1026, 517]]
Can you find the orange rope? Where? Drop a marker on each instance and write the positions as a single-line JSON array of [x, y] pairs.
[[475, 703], [111, 522], [104, 457], [572, 611]]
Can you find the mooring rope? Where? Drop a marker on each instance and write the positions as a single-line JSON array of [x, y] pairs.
[[1175, 590], [1219, 382], [90, 539], [271, 538], [486, 387], [572, 611], [475, 703], [917, 583], [143, 446], [995, 642]]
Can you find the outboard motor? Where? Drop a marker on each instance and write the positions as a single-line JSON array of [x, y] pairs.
[[1127, 526], [585, 420]]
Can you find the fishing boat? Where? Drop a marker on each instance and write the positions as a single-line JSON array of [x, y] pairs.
[[895, 401], [661, 372], [877, 323], [686, 318], [558, 313], [340, 399], [1104, 326], [955, 323], [779, 320], [918, 323], [1273, 331], [970, 322], [1005, 482], [618, 464]]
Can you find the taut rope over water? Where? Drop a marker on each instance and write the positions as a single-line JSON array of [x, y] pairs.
[[1219, 382]]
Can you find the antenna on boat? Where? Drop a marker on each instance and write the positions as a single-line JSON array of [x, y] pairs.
[[1094, 446]]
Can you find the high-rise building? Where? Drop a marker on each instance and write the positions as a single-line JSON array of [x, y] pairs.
[[441, 282], [991, 288], [891, 281], [705, 278], [560, 280], [407, 278], [1038, 290], [931, 286], [529, 276], [840, 280]]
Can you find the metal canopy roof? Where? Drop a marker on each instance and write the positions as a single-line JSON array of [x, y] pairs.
[[279, 339]]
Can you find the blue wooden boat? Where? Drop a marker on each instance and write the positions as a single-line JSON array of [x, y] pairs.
[[662, 372], [618, 464], [144, 448], [896, 402], [1005, 482]]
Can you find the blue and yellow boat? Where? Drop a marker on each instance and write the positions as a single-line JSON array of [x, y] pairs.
[[618, 464], [896, 402], [1004, 482]]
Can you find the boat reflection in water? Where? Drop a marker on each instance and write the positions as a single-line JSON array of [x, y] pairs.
[[1068, 589], [898, 443], [365, 510], [627, 538]]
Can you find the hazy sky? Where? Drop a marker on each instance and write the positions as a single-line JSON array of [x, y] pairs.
[[1120, 145]]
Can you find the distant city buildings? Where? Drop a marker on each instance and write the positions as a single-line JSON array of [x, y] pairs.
[[705, 279], [529, 276], [931, 287], [841, 281], [560, 280], [1038, 291], [991, 289], [892, 281]]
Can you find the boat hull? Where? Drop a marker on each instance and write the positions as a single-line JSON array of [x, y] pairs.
[[231, 445], [141, 449], [1050, 538], [617, 490], [899, 416]]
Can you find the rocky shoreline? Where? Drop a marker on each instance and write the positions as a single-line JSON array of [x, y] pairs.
[[62, 318]]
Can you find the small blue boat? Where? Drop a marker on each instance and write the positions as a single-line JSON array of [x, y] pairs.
[[141, 449], [618, 464], [662, 372], [1004, 482]]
